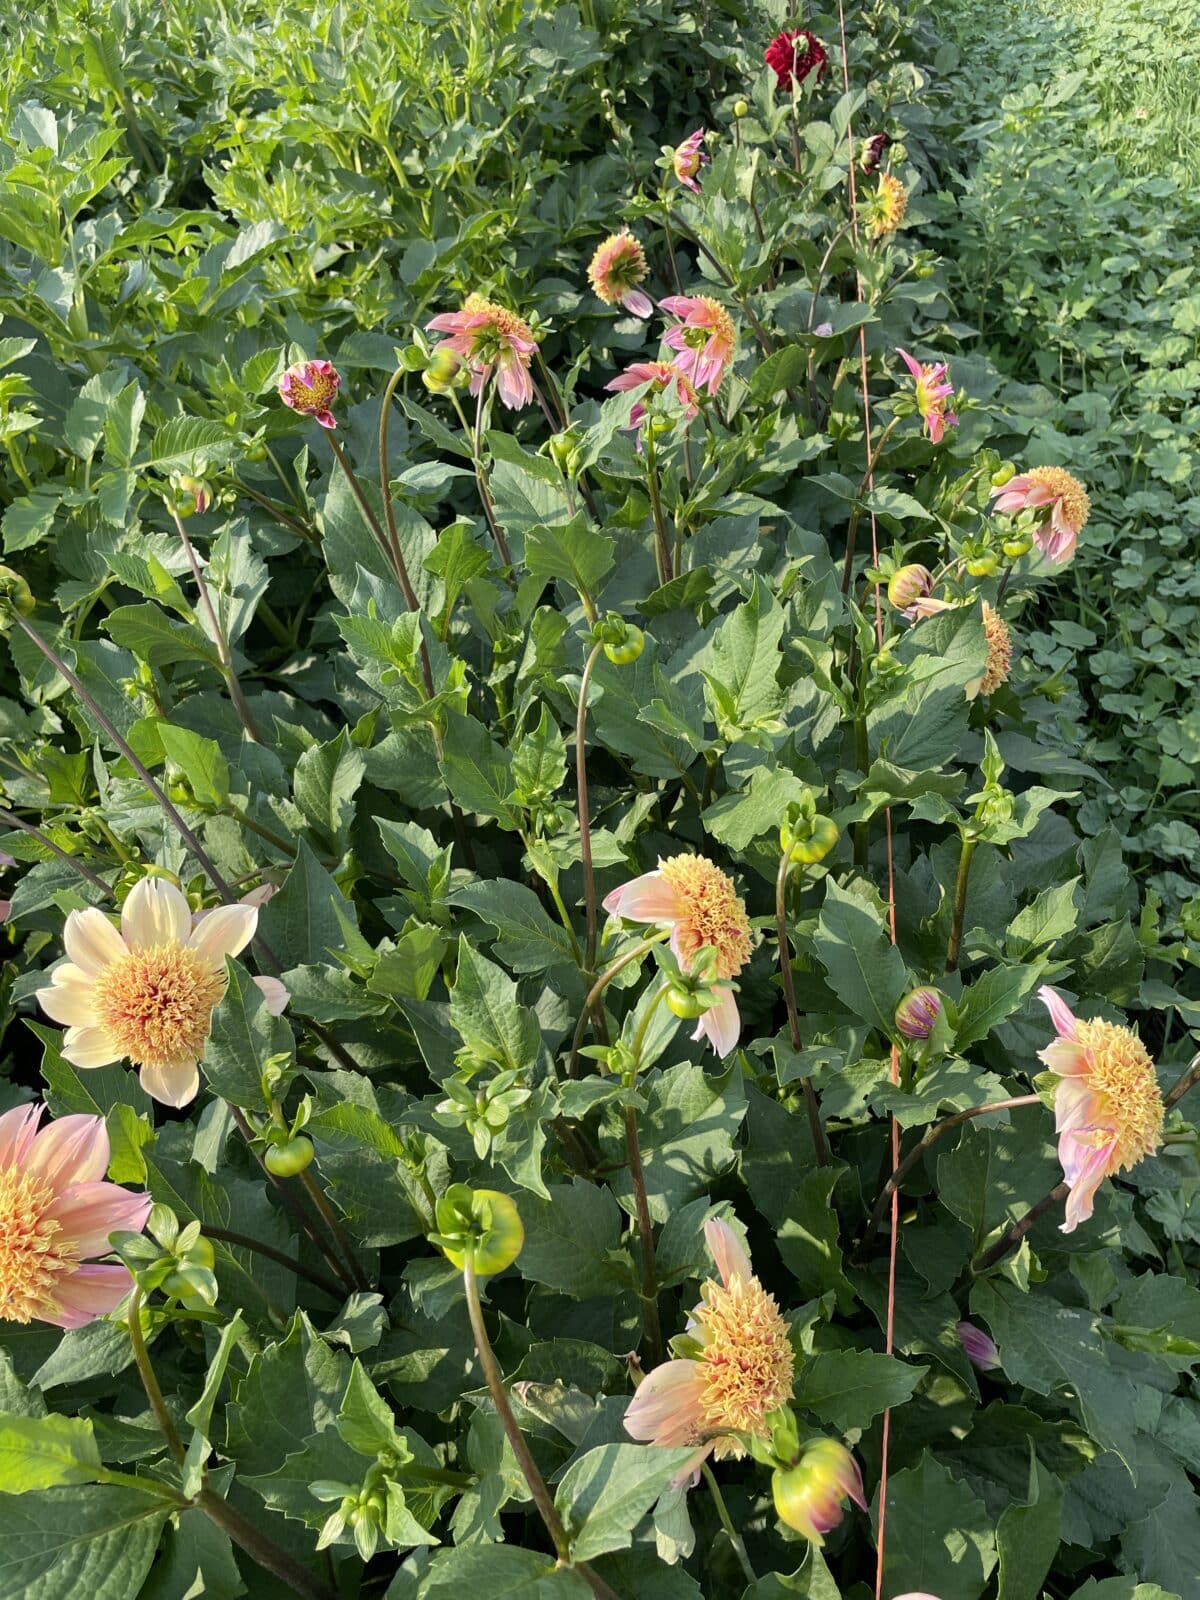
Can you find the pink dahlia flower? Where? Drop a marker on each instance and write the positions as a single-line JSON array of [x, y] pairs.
[[56, 1214], [490, 339], [793, 55], [688, 158], [705, 338], [664, 375], [933, 390], [703, 910], [1062, 501], [1108, 1108], [148, 992], [616, 269], [310, 387], [741, 1371]]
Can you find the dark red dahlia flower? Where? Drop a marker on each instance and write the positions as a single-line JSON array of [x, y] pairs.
[[872, 151], [793, 54]]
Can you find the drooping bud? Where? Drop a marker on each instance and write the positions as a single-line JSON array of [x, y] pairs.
[[16, 591], [809, 1497], [872, 151], [192, 495], [480, 1224], [909, 584], [980, 1350], [918, 1012], [442, 370]]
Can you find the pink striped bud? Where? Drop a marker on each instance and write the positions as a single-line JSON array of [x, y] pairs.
[[980, 1349], [918, 1012]]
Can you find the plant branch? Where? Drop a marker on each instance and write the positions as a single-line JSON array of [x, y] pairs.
[[228, 672], [820, 1144], [145, 1368], [960, 903], [585, 827], [645, 1227], [1016, 1231], [243, 1241], [731, 1533], [321, 1200], [10, 821], [598, 988]]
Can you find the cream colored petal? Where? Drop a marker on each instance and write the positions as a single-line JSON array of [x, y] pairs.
[[68, 999], [89, 1047], [275, 994], [171, 1086], [224, 932], [91, 941], [156, 912]]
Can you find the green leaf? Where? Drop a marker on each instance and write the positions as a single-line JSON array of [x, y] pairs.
[[96, 1540], [200, 1415], [939, 1534], [301, 923], [994, 1174], [529, 940], [572, 1242], [244, 1034], [989, 1000], [30, 518], [485, 1012], [606, 1493], [572, 551], [1028, 1535], [743, 662], [866, 971], [1051, 917], [326, 780], [203, 765], [123, 423], [478, 771], [291, 1390], [847, 1388], [46, 1452], [158, 639], [500, 1572], [366, 1421], [921, 724]]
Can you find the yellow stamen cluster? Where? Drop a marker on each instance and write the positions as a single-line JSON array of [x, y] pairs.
[[618, 265], [747, 1360], [713, 913], [29, 1260], [888, 205], [156, 1004], [1071, 494], [721, 327], [1122, 1072], [999, 650], [504, 324]]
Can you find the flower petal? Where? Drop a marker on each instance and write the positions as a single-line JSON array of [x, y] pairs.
[[89, 1212], [89, 1047], [155, 912], [1084, 1168], [226, 932], [649, 898], [667, 1407], [1066, 1059], [1075, 1106], [91, 941], [727, 1251], [18, 1128], [275, 994], [83, 1296], [1061, 1014], [68, 997], [70, 1150], [171, 1086], [721, 1024]]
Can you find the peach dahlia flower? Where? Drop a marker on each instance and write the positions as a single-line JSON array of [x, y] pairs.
[[615, 271], [701, 907], [742, 1370], [1108, 1108], [490, 338], [56, 1213], [933, 389], [148, 992], [704, 336], [1061, 500]]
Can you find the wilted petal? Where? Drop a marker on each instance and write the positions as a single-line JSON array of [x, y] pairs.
[[667, 1408], [1061, 1014], [721, 1024]]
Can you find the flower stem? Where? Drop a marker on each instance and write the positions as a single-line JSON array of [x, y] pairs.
[[529, 1469], [1016, 1231], [243, 1241], [598, 988], [10, 821], [1183, 1084], [475, 439], [662, 547], [731, 1532], [145, 1368], [389, 510], [319, 1199], [932, 1134], [261, 1549], [637, 1175], [228, 672], [585, 827], [960, 903], [820, 1144]]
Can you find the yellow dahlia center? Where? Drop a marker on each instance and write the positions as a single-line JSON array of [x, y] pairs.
[[1068, 491], [315, 392], [999, 649], [29, 1257], [747, 1359], [618, 265], [156, 1004], [503, 325], [713, 913], [1122, 1072], [889, 205]]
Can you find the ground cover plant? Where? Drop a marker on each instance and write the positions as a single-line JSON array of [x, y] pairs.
[[571, 1025]]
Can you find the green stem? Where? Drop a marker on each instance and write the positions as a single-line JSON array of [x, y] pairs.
[[475, 440], [389, 510], [960, 903], [1016, 1231], [9, 820], [662, 546], [228, 672], [319, 1199], [1184, 1083], [585, 828], [145, 1368], [731, 1532], [243, 1241], [637, 1174], [598, 988], [261, 1549], [820, 1144]]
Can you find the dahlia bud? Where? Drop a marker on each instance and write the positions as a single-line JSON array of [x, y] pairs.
[[16, 591], [909, 584], [810, 1495], [824, 330], [918, 1012], [873, 149], [192, 495], [740, 108], [310, 387], [442, 370], [980, 1350], [1003, 474]]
